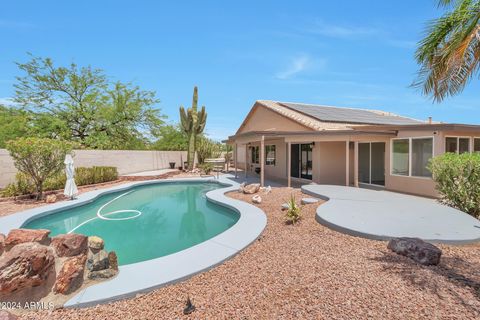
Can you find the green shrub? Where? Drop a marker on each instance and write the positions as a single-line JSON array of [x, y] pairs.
[[294, 212], [38, 158], [83, 176], [207, 148], [206, 167], [458, 180]]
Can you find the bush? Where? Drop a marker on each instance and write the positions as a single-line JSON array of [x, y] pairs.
[[458, 180], [294, 212], [83, 176], [206, 167], [207, 148], [38, 158]]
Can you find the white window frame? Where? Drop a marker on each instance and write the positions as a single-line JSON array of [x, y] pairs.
[[473, 144], [274, 159], [470, 143], [409, 156]]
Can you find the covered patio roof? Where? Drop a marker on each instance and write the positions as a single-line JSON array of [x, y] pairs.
[[276, 134]]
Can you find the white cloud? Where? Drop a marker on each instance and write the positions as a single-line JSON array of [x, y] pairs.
[[298, 64], [338, 31]]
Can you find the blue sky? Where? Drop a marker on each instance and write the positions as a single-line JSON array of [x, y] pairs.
[[342, 53]]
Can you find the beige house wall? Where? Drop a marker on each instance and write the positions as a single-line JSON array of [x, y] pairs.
[[264, 119], [126, 161], [329, 163]]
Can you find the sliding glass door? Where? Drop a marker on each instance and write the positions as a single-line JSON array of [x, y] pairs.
[[371, 163], [301, 163]]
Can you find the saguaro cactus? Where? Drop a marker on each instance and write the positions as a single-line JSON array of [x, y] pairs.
[[193, 123]]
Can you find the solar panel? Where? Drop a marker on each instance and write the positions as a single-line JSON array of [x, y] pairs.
[[348, 115]]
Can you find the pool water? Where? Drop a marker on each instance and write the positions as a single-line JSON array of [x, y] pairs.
[[146, 222]]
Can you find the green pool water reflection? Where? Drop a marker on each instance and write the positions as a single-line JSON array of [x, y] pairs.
[[146, 222]]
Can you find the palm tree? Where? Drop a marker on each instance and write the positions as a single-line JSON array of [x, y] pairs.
[[449, 54]]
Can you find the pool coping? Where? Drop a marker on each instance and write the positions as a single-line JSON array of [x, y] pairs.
[[148, 275]]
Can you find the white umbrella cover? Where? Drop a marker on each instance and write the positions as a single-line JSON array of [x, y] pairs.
[[70, 186]]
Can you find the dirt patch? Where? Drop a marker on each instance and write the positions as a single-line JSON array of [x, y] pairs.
[[307, 271]]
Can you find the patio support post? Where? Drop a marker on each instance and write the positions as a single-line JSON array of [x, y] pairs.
[[289, 164], [355, 165], [246, 155], [262, 161], [347, 163], [236, 160]]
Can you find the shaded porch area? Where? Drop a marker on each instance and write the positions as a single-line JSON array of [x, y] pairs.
[[335, 157]]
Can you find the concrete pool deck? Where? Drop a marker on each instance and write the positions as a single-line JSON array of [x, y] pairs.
[[147, 275], [382, 215]]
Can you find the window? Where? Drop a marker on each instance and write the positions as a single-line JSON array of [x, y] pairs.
[[476, 145], [270, 155], [457, 144], [400, 157], [255, 155], [410, 156], [422, 151]]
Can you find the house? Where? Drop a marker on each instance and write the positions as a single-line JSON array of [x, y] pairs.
[[345, 146]]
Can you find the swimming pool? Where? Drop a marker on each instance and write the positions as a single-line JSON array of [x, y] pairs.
[[147, 221], [244, 225]]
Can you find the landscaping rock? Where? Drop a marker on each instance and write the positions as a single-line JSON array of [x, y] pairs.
[[17, 236], [113, 260], [95, 243], [309, 200], [26, 265], [98, 260], [285, 206], [102, 274], [241, 186], [257, 199], [2, 243], [251, 188], [420, 251], [68, 245], [51, 198], [70, 277], [5, 315]]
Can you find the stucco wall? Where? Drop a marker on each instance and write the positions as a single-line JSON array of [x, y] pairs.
[[329, 162], [126, 161], [266, 120]]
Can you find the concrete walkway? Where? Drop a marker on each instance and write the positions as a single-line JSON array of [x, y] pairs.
[[383, 215]]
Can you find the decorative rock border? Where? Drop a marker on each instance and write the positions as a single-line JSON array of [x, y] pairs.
[[148, 275]]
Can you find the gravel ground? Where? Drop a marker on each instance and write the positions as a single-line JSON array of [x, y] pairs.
[[308, 271]]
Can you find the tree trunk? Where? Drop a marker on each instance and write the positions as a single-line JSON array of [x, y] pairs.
[[39, 190]]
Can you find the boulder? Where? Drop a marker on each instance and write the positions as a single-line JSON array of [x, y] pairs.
[[241, 186], [17, 236], [257, 199], [26, 265], [70, 277], [98, 260], [113, 260], [95, 243], [2, 243], [309, 200], [251, 188], [5, 315], [68, 245], [101, 274], [51, 198], [420, 251]]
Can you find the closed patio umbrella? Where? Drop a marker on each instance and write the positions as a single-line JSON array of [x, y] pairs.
[[70, 186]]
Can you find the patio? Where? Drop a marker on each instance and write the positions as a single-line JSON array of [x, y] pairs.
[[382, 215]]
